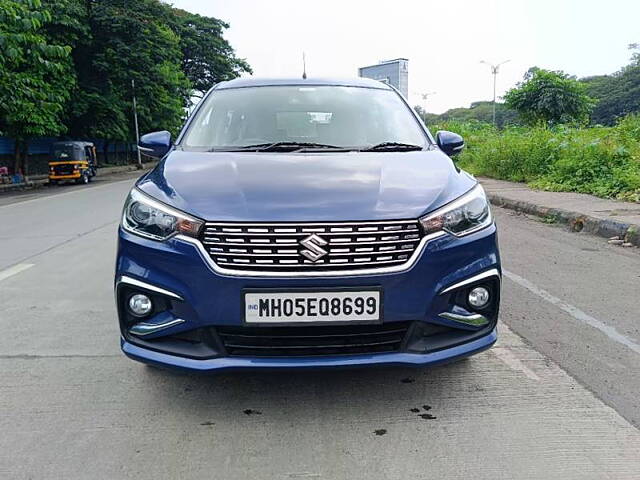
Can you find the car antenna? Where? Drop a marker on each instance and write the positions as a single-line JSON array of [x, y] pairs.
[[304, 67]]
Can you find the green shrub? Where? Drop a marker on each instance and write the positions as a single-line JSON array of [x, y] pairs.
[[603, 161]]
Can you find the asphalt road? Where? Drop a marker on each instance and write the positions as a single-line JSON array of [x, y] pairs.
[[557, 398]]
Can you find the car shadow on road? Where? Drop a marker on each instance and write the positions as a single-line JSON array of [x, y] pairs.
[[411, 393]]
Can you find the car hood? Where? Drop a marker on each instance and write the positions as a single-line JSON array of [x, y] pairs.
[[260, 186]]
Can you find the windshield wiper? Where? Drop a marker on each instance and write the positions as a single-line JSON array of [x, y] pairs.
[[283, 147], [392, 146]]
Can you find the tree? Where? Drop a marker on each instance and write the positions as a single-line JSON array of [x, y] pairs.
[[478, 111], [618, 94], [635, 56], [68, 66], [546, 97], [207, 58], [36, 76], [130, 40]]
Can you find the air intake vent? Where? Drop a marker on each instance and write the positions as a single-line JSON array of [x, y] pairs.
[[313, 340]]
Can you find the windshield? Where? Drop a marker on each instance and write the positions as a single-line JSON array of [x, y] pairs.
[[63, 152], [326, 115]]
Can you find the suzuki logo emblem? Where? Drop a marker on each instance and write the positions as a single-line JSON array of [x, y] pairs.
[[313, 247]]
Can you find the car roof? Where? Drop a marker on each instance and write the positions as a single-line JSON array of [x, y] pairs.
[[264, 82]]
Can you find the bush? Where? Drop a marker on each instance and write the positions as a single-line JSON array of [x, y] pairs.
[[603, 161]]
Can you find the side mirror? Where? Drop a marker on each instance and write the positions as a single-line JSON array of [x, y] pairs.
[[155, 144], [449, 142]]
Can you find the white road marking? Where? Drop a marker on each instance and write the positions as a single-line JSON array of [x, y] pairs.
[[575, 312], [11, 271], [64, 194], [513, 362]]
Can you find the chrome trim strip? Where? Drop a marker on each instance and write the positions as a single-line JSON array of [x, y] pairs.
[[148, 286], [474, 320], [335, 273], [489, 273], [143, 328], [308, 224]]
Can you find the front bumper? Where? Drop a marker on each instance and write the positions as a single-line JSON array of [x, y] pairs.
[[204, 300], [399, 359], [65, 177]]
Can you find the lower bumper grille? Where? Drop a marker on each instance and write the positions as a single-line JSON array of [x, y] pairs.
[[313, 341]]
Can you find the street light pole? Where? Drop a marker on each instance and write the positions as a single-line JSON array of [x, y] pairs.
[[425, 96], [495, 69], [135, 121]]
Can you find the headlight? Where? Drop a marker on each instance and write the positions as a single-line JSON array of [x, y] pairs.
[[463, 216], [149, 218]]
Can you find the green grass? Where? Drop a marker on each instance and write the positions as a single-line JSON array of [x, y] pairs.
[[603, 161]]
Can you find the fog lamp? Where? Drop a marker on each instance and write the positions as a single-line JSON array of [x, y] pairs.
[[140, 305], [479, 297]]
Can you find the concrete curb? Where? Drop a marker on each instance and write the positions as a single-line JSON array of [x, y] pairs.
[[576, 221], [36, 181]]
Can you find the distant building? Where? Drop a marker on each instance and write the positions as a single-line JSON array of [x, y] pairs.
[[394, 72]]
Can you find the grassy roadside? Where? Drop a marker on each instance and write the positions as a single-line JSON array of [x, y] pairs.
[[603, 161]]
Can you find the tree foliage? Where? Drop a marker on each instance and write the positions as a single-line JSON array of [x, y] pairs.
[[207, 58], [478, 111], [130, 41], [68, 65], [618, 94], [36, 74], [550, 98]]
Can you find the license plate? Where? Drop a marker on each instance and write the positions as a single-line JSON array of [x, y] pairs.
[[309, 307]]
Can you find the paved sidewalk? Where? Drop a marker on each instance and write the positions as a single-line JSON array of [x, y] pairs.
[[607, 218], [36, 181]]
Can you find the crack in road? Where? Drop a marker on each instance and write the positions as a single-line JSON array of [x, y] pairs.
[[66, 242]]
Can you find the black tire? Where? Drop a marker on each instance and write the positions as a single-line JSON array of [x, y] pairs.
[[84, 178], [53, 182]]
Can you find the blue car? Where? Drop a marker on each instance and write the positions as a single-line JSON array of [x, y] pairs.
[[305, 223]]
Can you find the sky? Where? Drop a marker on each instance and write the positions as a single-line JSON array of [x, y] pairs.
[[444, 40]]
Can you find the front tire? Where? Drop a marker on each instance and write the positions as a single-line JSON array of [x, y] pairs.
[[84, 179]]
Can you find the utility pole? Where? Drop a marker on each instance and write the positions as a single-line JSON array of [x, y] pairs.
[[495, 69], [135, 121]]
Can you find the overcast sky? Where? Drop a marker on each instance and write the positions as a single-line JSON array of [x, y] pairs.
[[444, 40]]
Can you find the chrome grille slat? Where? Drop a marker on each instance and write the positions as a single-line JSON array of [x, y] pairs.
[[270, 244], [264, 247]]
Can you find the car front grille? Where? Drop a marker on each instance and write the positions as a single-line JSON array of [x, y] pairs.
[[295, 247], [313, 340]]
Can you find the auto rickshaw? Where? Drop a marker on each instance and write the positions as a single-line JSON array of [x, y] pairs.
[[72, 160]]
